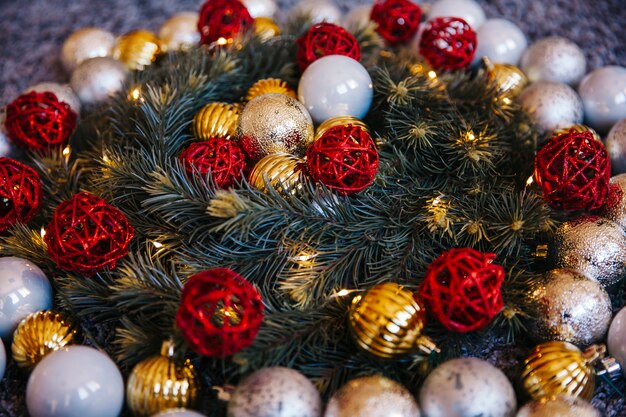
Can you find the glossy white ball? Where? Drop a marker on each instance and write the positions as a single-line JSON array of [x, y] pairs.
[[616, 340], [554, 59], [336, 85], [616, 146], [318, 10], [3, 359], [180, 31], [261, 8], [603, 92], [178, 412], [63, 92], [501, 41], [468, 10], [84, 44], [552, 105], [97, 79]]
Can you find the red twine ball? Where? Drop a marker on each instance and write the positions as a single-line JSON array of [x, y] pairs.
[[448, 43], [462, 289], [397, 20], [344, 159], [325, 39], [223, 158], [39, 121], [20, 193], [573, 170], [223, 19], [86, 234], [220, 312]]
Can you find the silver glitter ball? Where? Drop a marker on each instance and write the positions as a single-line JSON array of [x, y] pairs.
[[593, 246], [615, 206], [616, 146], [275, 392], [603, 92], [97, 79], [552, 105], [180, 31], [63, 92], [467, 387], [554, 59], [570, 308], [372, 396], [84, 44], [561, 406]]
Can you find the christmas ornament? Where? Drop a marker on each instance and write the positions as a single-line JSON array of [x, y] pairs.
[[573, 170], [63, 92], [340, 121], [551, 105], [276, 392], [180, 32], [344, 158], [467, 387], [569, 307], [616, 340], [281, 171], [222, 20], [137, 49], [323, 39], [358, 17], [593, 246], [448, 43], [220, 312], [97, 79], [555, 368], [396, 20], [159, 383], [261, 8], [387, 321], [39, 334], [501, 41], [560, 406], [616, 146], [77, 381], [318, 11], [216, 120], [266, 28], [577, 129], [554, 59], [6, 146], [602, 92], [86, 234], [274, 123], [372, 396], [468, 10], [223, 158], [336, 85], [462, 289], [24, 289], [178, 412], [270, 86], [509, 79], [84, 44], [20, 193], [615, 207], [39, 121], [3, 359]]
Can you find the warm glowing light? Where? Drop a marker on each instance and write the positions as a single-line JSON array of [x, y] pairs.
[[530, 181], [135, 94], [66, 151], [471, 136], [436, 201], [42, 232], [343, 293], [222, 41], [157, 245], [432, 74]]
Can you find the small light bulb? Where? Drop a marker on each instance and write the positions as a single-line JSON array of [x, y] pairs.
[[157, 245], [42, 232], [66, 151], [530, 181], [432, 74]]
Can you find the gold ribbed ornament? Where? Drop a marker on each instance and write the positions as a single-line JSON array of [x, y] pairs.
[[339, 121], [510, 79], [387, 321], [216, 120], [283, 171], [577, 129], [270, 86], [159, 383], [137, 49], [555, 368], [39, 334], [266, 28]]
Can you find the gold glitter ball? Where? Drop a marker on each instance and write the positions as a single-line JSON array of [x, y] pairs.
[[216, 120], [339, 121], [270, 86], [283, 172], [137, 49], [266, 28]]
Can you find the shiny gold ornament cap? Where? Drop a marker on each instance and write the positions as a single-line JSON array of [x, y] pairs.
[[216, 120], [339, 121], [283, 172], [266, 28], [509, 79], [578, 129], [270, 86], [137, 49]]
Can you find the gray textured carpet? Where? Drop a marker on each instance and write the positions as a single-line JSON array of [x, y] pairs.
[[32, 32]]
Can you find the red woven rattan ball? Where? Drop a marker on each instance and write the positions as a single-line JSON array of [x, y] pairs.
[[462, 289], [223, 158], [397, 20], [220, 312], [86, 234], [20, 193], [573, 170], [223, 19], [344, 159], [39, 121], [325, 39], [448, 43]]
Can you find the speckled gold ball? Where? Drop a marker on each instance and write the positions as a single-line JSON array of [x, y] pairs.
[[339, 121], [270, 86], [39, 334], [274, 123], [216, 120], [561, 406], [283, 172], [266, 28], [137, 49]]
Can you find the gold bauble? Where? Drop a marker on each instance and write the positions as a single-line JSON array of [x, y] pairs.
[[159, 383], [270, 86], [266, 28], [561, 406], [282, 171], [339, 121], [137, 49], [577, 129], [39, 334], [387, 321], [509, 79], [216, 120], [555, 368]]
